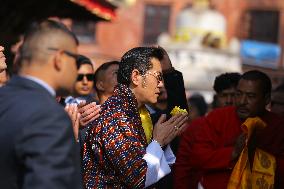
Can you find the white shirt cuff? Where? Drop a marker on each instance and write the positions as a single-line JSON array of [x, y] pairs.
[[157, 162], [169, 155]]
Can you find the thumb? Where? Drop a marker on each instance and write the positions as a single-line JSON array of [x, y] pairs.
[[162, 119]]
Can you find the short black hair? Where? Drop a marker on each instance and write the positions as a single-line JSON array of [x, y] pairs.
[[256, 75], [101, 69], [226, 81], [199, 102], [81, 60], [137, 58], [39, 29]]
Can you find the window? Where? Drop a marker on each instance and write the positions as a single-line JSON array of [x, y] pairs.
[[156, 22], [261, 25], [85, 31]]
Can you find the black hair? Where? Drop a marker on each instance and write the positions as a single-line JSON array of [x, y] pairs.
[[81, 60], [226, 81], [101, 69], [255, 75], [198, 101], [137, 58]]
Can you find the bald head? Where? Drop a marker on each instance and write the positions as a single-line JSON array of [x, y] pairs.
[[43, 36]]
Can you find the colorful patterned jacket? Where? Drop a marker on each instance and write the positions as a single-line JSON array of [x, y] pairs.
[[115, 145]]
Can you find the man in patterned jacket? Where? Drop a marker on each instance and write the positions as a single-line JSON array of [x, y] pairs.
[[115, 152]]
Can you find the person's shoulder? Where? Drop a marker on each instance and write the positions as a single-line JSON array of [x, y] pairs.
[[112, 105]]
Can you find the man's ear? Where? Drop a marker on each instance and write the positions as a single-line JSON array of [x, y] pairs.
[[57, 61], [100, 86], [267, 99], [135, 77]]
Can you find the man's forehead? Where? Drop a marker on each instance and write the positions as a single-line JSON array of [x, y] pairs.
[[249, 85], [156, 64], [229, 90]]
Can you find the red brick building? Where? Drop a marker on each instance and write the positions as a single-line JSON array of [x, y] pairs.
[[142, 22]]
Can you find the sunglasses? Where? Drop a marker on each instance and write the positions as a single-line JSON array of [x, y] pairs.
[[68, 53], [90, 77]]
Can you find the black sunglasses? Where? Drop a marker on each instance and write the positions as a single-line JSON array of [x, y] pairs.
[[90, 77], [73, 55]]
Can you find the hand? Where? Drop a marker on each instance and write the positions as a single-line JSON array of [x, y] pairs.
[[88, 112], [3, 65], [165, 131], [72, 111], [239, 146], [165, 62]]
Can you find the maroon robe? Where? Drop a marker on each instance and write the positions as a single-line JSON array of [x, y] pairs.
[[206, 149]]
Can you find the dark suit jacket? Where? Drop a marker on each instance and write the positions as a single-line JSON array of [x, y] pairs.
[[38, 149]]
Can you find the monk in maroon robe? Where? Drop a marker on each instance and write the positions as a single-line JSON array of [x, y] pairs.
[[211, 146]]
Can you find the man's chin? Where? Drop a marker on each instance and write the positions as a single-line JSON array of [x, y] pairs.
[[153, 101], [242, 115]]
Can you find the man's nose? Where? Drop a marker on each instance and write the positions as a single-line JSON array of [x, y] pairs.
[[85, 80], [243, 99], [160, 84]]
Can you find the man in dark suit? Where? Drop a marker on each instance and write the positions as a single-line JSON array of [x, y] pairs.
[[38, 149]]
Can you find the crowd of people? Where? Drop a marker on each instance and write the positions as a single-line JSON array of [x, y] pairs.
[[67, 125]]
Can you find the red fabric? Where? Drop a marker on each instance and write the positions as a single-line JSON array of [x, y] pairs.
[[182, 171], [271, 139], [107, 12], [208, 143]]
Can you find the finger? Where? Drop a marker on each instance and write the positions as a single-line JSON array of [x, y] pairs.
[[72, 109], [87, 107], [173, 118], [162, 119], [86, 122], [76, 126], [179, 119], [182, 128], [90, 113], [66, 108], [183, 120], [69, 110], [177, 124], [92, 116], [77, 120], [84, 108], [82, 103], [96, 109]]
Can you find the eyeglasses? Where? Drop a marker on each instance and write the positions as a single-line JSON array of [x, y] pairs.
[[157, 75], [73, 55], [90, 77]]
